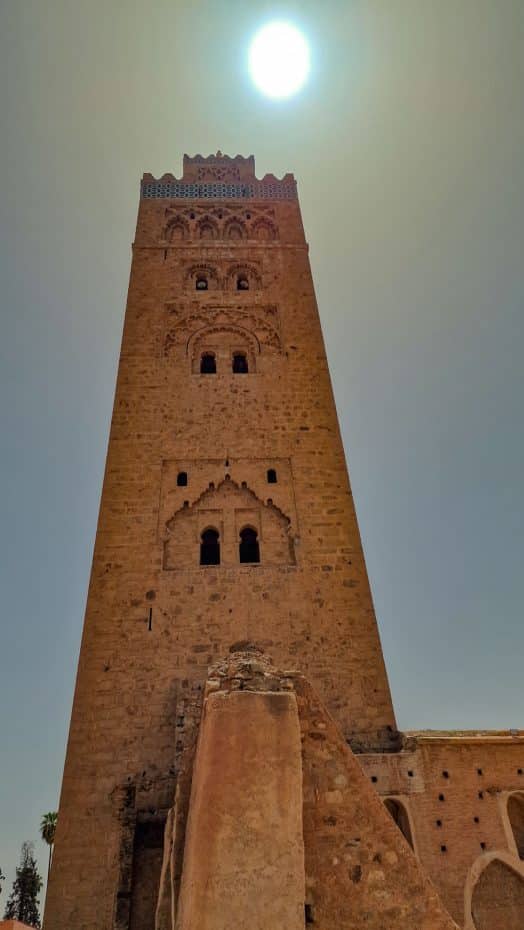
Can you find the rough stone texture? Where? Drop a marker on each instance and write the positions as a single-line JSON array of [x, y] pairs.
[[156, 620], [244, 854], [456, 789], [498, 899], [358, 869], [13, 925]]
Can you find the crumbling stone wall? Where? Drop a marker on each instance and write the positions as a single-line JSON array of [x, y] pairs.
[[498, 898], [354, 869], [457, 788]]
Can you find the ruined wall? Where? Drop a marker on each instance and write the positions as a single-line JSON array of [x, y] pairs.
[[285, 829], [243, 861], [464, 795], [155, 618]]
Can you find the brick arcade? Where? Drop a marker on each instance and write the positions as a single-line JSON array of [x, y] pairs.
[[233, 756]]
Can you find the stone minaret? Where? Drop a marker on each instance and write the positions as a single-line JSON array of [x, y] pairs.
[[226, 527]]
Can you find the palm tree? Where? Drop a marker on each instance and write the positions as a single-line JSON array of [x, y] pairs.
[[47, 832]]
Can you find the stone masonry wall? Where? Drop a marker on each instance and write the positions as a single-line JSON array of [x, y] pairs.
[[264, 728], [456, 789], [155, 618]]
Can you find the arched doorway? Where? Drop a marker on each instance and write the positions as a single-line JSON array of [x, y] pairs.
[[497, 901], [516, 819], [400, 815]]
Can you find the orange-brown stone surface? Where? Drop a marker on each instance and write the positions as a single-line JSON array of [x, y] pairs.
[[220, 273], [283, 818], [13, 925], [244, 852]]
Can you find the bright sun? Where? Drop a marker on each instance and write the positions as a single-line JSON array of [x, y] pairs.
[[279, 59]]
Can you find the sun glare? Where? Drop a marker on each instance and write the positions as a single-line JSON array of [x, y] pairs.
[[279, 59]]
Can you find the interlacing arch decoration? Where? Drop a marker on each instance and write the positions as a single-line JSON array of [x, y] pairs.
[[221, 221], [242, 340], [240, 272], [176, 229], [183, 535], [260, 324], [218, 173], [201, 272], [234, 228], [207, 228], [264, 230]]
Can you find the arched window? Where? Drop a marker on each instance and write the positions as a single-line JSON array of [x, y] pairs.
[[264, 231], [210, 547], [234, 231], [249, 549], [207, 231], [201, 283], [177, 231], [498, 898], [208, 364], [242, 283], [181, 479], [240, 366], [516, 819], [400, 816], [271, 476]]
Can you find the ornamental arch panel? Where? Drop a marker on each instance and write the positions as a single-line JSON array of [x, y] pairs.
[[202, 272], [243, 272], [177, 229], [247, 530], [264, 230], [224, 343]]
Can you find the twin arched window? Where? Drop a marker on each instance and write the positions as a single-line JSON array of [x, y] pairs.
[[202, 284], [239, 364], [248, 549]]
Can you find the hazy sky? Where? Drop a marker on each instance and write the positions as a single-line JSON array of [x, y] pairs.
[[408, 147]]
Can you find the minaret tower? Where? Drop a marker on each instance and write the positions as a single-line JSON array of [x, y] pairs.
[[226, 525]]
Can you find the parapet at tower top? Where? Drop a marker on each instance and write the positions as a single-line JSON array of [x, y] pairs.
[[216, 176]]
